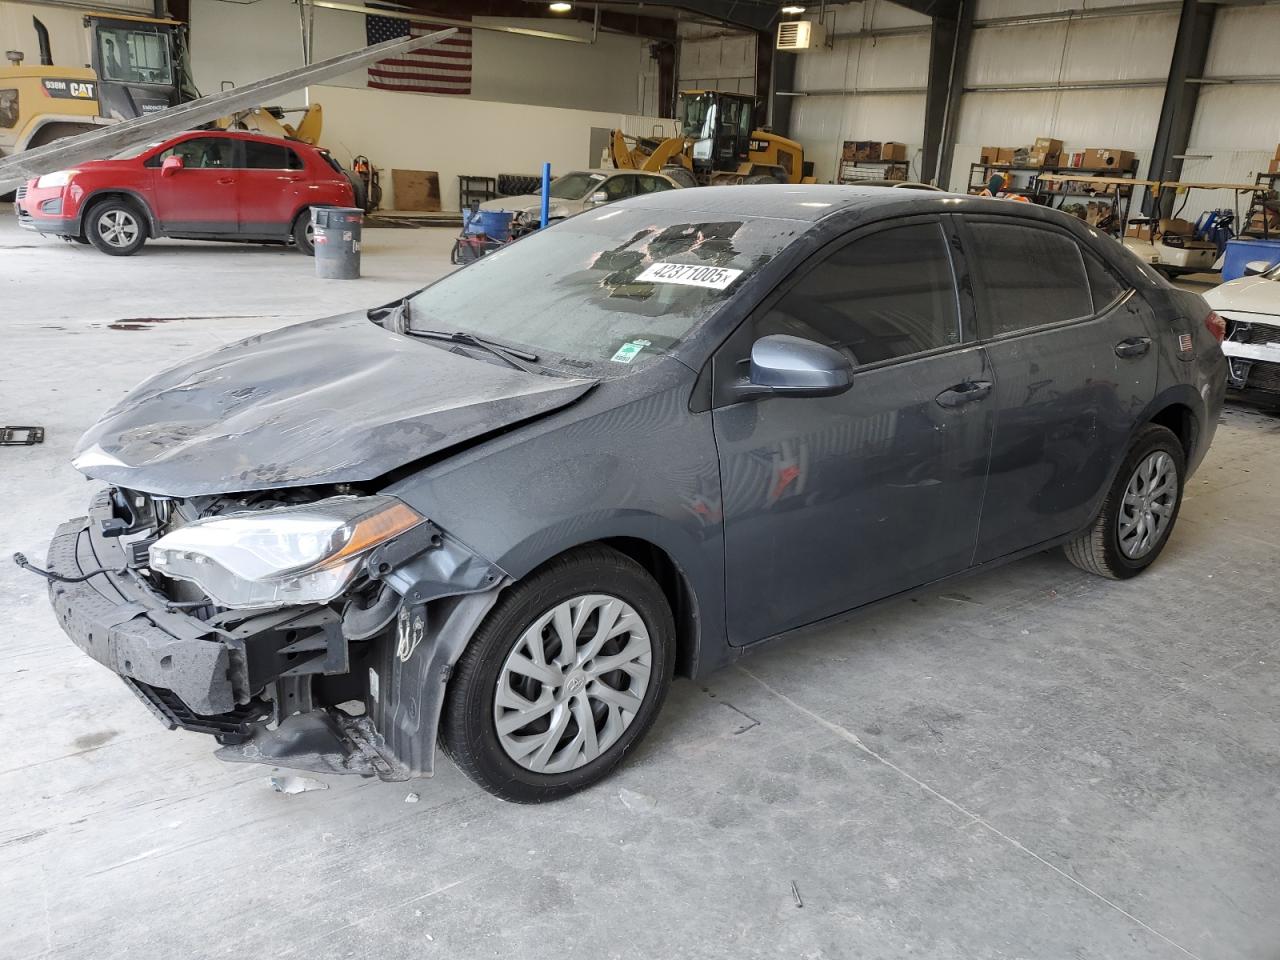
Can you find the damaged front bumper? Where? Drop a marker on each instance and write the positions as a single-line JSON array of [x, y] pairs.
[[1252, 349], [308, 687]]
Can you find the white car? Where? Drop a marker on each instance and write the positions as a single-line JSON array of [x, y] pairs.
[[581, 190], [1251, 308]]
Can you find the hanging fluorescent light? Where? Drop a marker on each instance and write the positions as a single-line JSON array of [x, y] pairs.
[[793, 9], [561, 7]]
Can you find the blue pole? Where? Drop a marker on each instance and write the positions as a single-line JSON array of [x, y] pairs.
[[546, 194]]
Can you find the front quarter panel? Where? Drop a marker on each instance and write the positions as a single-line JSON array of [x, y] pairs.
[[628, 460]]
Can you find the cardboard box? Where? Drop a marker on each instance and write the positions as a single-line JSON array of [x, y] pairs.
[[1039, 158], [988, 154], [861, 150], [1004, 155], [889, 150], [1278, 151], [1139, 229], [1275, 166], [1075, 159], [1181, 228], [1047, 145], [1109, 159], [415, 190]]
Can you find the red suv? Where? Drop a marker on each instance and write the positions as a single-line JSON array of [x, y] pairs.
[[199, 185]]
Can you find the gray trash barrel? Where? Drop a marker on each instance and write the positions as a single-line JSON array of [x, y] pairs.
[[337, 241]]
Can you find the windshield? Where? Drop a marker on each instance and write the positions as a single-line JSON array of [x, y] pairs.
[[574, 186], [135, 55], [694, 115], [610, 289]]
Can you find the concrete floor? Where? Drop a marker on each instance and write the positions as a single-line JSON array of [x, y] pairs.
[[1029, 763]]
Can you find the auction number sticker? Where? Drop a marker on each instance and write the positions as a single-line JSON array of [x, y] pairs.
[[690, 275]]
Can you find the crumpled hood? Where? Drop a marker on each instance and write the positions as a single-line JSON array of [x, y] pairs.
[[1246, 295], [339, 400]]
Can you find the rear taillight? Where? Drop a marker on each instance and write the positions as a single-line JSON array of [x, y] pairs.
[[1216, 326]]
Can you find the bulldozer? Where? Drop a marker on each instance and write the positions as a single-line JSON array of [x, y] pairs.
[[717, 145], [137, 66]]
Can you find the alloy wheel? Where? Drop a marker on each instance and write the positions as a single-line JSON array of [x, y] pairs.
[[573, 682], [119, 228], [1147, 508]]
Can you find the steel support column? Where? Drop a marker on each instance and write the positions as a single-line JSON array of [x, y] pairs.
[[780, 103], [949, 43], [1190, 52]]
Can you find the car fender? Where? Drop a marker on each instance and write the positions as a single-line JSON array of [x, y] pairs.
[[92, 196]]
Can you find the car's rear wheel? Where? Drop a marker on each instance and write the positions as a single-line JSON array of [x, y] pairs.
[[304, 233], [116, 227], [562, 679], [1140, 509]]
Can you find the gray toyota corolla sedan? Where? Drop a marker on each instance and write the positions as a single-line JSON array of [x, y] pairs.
[[502, 512]]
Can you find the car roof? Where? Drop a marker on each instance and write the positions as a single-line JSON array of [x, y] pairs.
[[813, 202]]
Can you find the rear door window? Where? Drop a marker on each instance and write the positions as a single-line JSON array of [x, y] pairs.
[[1028, 277], [1106, 287], [270, 156]]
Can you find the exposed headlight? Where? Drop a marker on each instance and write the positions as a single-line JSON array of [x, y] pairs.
[[59, 178], [288, 555]]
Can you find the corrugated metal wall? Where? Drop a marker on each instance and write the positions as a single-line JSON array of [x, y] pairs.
[[1237, 125], [1105, 50], [862, 88], [869, 88], [712, 58]]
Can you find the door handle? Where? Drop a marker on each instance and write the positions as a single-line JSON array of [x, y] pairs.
[[1133, 347], [289, 179], [962, 393], [226, 180]]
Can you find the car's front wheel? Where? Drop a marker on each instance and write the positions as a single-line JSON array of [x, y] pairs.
[[116, 227], [562, 679], [1140, 509]]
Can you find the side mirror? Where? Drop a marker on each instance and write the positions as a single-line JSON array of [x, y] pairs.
[[599, 197], [1256, 267], [783, 365], [170, 166]]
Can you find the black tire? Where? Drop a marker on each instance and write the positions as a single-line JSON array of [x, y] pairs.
[[116, 227], [1098, 549], [680, 175], [302, 233], [761, 178], [468, 728]]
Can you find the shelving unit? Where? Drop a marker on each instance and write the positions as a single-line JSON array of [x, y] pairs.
[[1044, 184], [1265, 182], [851, 171]]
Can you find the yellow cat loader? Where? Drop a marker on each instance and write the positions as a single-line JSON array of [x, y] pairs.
[[717, 145], [138, 67]]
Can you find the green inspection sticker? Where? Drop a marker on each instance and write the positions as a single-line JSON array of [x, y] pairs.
[[629, 350]]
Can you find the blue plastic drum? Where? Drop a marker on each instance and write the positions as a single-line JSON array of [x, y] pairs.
[[497, 224]]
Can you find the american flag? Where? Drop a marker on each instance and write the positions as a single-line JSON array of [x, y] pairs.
[[443, 68]]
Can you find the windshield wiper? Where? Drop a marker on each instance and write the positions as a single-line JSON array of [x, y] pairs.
[[512, 355], [397, 320]]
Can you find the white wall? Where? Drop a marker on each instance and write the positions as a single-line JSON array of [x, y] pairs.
[[824, 119], [457, 135], [241, 42]]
